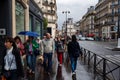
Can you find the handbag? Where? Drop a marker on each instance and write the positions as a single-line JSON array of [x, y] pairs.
[[61, 50], [36, 52], [7, 73], [60, 47]]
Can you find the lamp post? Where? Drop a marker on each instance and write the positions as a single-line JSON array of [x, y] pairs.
[[66, 13], [118, 31], [118, 25]]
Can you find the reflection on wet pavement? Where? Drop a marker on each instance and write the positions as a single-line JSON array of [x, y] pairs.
[[59, 73], [62, 72]]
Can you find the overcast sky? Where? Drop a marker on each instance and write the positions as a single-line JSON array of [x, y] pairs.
[[77, 9]]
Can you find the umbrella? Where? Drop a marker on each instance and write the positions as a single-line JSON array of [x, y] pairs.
[[29, 33]]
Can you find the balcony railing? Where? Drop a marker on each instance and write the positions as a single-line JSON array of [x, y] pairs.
[[117, 13], [47, 3], [109, 23], [51, 12], [51, 21], [115, 6], [109, 15], [98, 25]]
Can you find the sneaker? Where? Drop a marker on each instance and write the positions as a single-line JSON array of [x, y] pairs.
[[73, 72]]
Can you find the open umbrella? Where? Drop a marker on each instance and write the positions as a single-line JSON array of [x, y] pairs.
[[29, 33]]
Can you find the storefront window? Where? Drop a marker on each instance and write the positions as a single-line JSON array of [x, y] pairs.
[[19, 18], [30, 23], [38, 27]]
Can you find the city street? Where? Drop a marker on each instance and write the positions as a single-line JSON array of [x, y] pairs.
[[109, 60], [44, 26], [98, 47]]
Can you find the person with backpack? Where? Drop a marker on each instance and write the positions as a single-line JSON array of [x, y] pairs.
[[74, 52]]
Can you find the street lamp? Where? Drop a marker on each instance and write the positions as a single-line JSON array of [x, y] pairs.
[[66, 13], [118, 31], [118, 20], [118, 24]]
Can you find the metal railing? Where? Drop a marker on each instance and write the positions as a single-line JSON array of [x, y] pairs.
[[99, 65]]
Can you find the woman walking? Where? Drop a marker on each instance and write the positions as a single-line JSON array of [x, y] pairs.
[[74, 51], [31, 46], [12, 67], [59, 50], [19, 45]]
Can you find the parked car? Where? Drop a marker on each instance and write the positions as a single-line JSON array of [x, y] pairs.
[[82, 38], [90, 38]]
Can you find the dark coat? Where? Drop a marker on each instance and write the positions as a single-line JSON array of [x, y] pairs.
[[72, 46], [2, 48], [16, 53]]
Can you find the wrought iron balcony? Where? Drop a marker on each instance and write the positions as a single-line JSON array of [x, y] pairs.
[[47, 3], [51, 21], [50, 12], [117, 13], [109, 15], [98, 24], [52, 4], [107, 23], [115, 6]]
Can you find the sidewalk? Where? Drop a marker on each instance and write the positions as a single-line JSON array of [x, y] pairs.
[[81, 71], [64, 72]]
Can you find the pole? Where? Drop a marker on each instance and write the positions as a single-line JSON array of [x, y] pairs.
[[66, 26], [66, 12], [118, 31]]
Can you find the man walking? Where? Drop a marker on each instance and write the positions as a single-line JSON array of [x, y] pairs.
[[48, 47]]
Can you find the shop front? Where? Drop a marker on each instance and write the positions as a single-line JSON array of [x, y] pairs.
[[36, 18]]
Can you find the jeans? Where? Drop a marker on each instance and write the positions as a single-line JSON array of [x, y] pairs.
[[31, 60], [47, 62], [73, 63]]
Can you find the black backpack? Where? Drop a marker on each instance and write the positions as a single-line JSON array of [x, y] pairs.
[[75, 49]]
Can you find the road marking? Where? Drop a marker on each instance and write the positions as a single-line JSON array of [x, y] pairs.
[[109, 48]]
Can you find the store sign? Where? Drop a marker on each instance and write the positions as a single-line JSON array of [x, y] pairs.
[[2, 32]]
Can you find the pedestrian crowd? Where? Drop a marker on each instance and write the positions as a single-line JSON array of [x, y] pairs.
[[18, 59]]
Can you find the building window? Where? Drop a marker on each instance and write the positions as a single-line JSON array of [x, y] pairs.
[[19, 18], [118, 1], [38, 27], [30, 22]]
